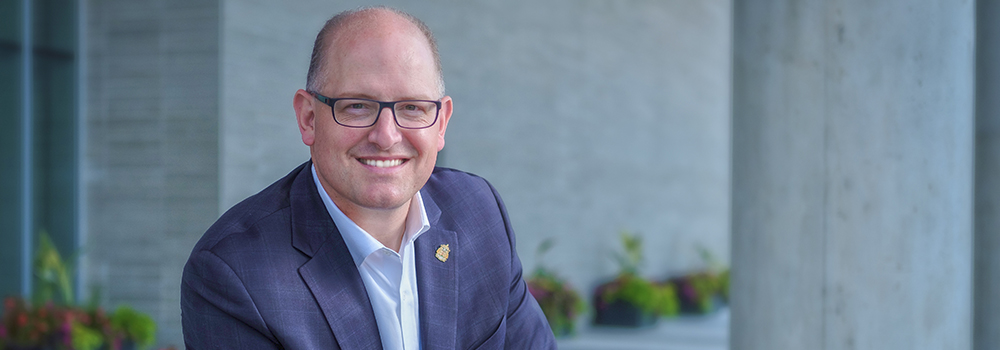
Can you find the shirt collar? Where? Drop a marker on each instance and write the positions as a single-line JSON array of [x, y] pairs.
[[359, 242]]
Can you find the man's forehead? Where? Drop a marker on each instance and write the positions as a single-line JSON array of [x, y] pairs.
[[371, 42], [373, 24], [399, 43]]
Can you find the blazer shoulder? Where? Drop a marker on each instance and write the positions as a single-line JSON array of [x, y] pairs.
[[445, 180], [252, 211]]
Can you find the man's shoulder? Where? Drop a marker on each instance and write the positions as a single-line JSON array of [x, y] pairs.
[[265, 207], [449, 183]]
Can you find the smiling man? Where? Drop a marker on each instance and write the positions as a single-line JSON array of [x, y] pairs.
[[368, 245]]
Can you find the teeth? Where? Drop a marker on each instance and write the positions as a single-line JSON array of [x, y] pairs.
[[382, 163]]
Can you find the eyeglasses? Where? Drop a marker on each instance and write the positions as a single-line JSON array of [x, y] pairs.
[[362, 112]]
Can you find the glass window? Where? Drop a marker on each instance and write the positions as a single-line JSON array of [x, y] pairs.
[[51, 129], [10, 147], [54, 122]]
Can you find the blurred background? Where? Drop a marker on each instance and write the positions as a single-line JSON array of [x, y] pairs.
[[834, 153]]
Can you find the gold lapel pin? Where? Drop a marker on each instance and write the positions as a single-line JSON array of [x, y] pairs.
[[442, 252]]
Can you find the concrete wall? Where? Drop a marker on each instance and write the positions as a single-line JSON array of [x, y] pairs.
[[853, 175], [151, 160], [590, 117], [264, 49], [987, 253]]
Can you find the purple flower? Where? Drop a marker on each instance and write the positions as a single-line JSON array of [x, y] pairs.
[[538, 293], [67, 331]]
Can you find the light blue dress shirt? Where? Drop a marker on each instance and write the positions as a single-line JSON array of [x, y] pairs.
[[390, 278]]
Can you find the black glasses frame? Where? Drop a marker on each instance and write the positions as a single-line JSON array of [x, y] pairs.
[[329, 101]]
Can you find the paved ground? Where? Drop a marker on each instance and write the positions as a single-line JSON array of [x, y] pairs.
[[710, 332]]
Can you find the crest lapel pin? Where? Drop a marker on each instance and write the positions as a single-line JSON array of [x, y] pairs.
[[442, 252]]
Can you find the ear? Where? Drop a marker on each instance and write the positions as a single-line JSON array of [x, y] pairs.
[[443, 117], [305, 115]]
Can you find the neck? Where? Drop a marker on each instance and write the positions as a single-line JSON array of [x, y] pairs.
[[385, 225]]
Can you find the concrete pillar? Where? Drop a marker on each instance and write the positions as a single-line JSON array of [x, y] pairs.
[[853, 174], [151, 160], [987, 277]]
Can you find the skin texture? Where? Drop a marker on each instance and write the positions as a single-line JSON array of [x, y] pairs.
[[388, 59]]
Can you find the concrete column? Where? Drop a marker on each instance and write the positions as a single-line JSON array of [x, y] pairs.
[[151, 160], [853, 174], [987, 276]]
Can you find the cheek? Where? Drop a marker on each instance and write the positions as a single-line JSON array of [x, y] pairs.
[[426, 143], [333, 143]]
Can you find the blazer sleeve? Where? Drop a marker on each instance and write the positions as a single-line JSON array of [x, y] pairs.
[[217, 312], [526, 325]]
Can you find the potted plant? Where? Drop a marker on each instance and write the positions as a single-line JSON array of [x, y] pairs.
[[559, 301], [49, 322], [630, 300], [698, 293], [705, 291]]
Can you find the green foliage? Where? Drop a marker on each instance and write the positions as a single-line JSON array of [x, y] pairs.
[[86, 338], [724, 284], [629, 287], [559, 301], [643, 294], [632, 257], [54, 321], [698, 290], [52, 273], [137, 326]]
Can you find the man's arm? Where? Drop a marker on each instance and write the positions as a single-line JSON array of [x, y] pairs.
[[216, 309], [527, 327]]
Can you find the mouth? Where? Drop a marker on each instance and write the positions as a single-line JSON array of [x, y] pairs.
[[382, 163]]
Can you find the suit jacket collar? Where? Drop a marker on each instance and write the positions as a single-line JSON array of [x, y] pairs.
[[334, 281], [330, 274], [436, 281]]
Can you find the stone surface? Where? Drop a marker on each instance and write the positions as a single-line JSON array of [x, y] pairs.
[[778, 176], [150, 165], [852, 192], [987, 253]]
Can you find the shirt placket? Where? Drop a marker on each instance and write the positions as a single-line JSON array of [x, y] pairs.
[[407, 298]]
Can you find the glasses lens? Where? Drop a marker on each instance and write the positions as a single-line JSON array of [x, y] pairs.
[[353, 112], [416, 114]]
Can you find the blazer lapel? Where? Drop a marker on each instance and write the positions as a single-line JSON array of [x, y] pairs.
[[330, 274], [437, 290]]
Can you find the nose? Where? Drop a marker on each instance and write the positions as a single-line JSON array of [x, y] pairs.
[[385, 133]]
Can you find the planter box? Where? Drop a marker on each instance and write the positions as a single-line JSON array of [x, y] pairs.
[[623, 314], [691, 307], [125, 345]]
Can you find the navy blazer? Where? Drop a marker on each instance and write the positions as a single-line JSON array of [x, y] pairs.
[[274, 273]]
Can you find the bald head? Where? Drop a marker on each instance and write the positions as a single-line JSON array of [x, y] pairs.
[[364, 21]]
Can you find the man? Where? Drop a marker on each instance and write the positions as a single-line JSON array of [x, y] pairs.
[[367, 245]]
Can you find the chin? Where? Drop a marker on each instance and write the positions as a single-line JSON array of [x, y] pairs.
[[386, 200]]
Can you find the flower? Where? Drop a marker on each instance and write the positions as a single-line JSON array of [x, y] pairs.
[[559, 301]]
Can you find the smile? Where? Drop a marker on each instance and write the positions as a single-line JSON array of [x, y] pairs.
[[381, 163]]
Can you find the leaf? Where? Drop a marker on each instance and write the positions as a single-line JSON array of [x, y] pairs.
[[52, 272], [140, 327], [85, 338]]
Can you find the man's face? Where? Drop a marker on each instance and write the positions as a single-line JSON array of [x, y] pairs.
[[382, 166]]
